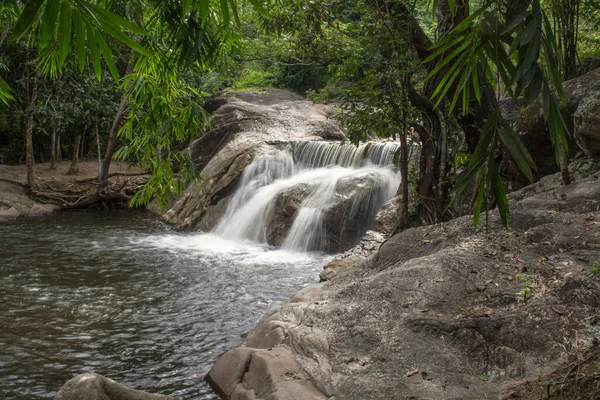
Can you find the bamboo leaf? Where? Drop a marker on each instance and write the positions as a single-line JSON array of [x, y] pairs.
[[259, 7], [27, 17], [497, 187], [64, 43], [225, 11], [105, 17], [516, 21], [476, 87], [108, 57], [79, 39], [48, 22], [480, 186], [94, 53], [518, 151]]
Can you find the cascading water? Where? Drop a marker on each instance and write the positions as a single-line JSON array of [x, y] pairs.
[[332, 192]]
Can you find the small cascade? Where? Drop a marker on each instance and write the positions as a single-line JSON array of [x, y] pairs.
[[311, 196], [323, 154]]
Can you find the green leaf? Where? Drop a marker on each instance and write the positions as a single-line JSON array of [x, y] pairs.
[[480, 186], [204, 10], [512, 141], [463, 180], [516, 21], [79, 39], [108, 57], [259, 7], [106, 17], [225, 11], [187, 4], [499, 193], [94, 53], [48, 22], [64, 43], [27, 17]]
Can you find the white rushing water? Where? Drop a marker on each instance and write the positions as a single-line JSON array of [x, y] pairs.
[[323, 176]]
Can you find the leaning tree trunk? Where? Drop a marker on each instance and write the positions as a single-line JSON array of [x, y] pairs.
[[31, 87], [74, 168], [112, 136]]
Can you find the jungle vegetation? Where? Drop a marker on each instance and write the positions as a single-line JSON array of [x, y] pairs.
[[122, 80]]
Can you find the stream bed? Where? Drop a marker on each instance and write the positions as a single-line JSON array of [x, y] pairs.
[[121, 295]]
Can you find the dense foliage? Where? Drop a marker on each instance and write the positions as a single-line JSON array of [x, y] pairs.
[[127, 80]]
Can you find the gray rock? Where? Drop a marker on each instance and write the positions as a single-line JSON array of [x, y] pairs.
[[438, 311], [386, 219], [243, 124], [15, 201], [532, 127], [9, 214], [97, 387], [587, 125]]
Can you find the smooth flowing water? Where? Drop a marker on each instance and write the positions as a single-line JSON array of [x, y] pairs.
[[121, 295], [321, 173]]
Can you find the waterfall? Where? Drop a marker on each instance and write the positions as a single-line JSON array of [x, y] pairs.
[[311, 196]]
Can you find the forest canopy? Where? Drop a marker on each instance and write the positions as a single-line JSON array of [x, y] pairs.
[[128, 80]]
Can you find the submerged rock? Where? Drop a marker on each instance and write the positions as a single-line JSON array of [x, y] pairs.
[[342, 216], [441, 311], [97, 387]]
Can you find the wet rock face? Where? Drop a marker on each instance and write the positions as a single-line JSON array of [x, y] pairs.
[[243, 125], [444, 312], [587, 125], [344, 219], [97, 387]]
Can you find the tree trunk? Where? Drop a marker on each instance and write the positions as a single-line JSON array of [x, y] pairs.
[[112, 136], [564, 164], [31, 87], [74, 169], [53, 150], [58, 149], [99, 153]]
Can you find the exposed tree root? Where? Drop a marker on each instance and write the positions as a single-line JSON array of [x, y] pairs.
[[95, 178], [84, 194], [99, 198]]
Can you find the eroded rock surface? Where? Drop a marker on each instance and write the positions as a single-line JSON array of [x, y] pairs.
[[243, 125], [97, 387], [441, 312], [15, 202]]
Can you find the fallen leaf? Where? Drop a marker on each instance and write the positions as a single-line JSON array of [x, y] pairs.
[[559, 312], [411, 373], [552, 212]]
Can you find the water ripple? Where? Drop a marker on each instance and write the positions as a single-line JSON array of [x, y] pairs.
[[121, 295]]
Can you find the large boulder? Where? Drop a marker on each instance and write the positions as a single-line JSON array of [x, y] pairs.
[[441, 312], [587, 125], [243, 125], [97, 387], [532, 127], [346, 216]]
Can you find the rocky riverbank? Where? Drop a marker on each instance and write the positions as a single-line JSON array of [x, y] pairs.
[[53, 187], [439, 311]]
